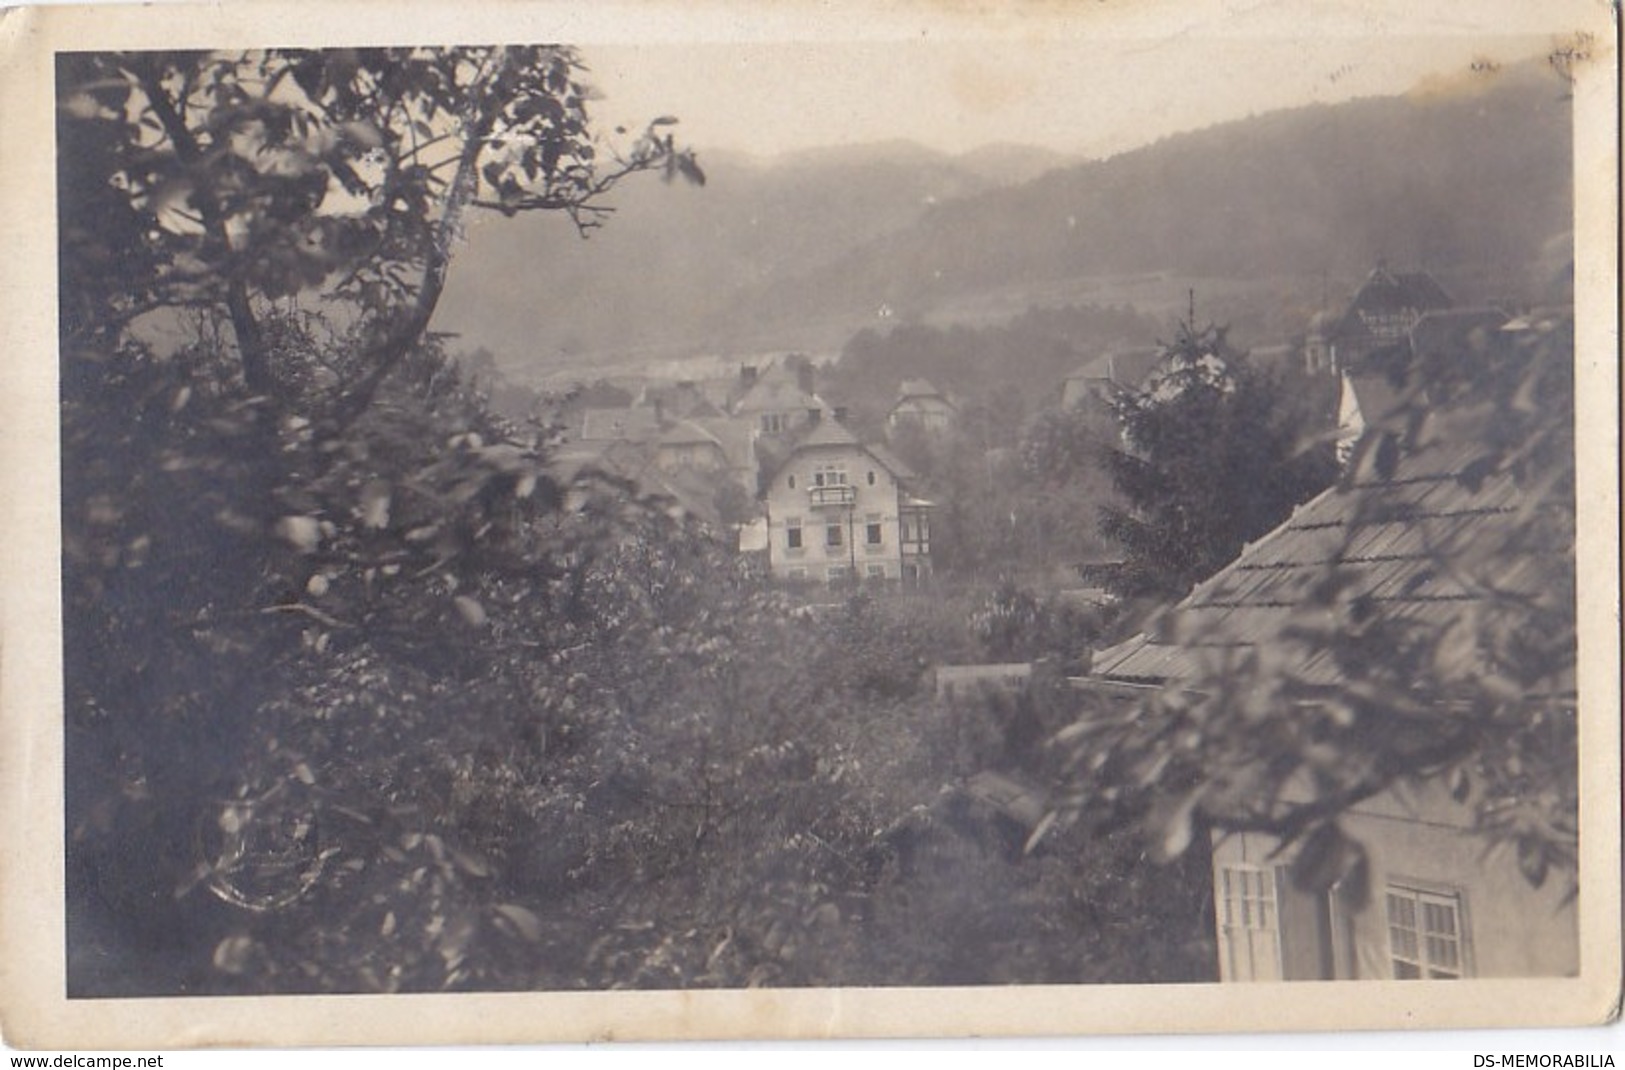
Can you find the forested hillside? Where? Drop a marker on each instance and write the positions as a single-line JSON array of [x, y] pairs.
[[805, 251], [1456, 183], [673, 269]]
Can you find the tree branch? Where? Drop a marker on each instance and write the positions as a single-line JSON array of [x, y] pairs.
[[246, 326]]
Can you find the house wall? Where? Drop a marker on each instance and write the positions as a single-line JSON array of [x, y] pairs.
[[1423, 846], [774, 420], [877, 503]]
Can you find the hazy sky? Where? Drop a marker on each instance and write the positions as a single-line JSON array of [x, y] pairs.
[[1090, 97], [1088, 77]]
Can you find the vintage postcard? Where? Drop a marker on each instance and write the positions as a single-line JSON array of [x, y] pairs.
[[541, 522]]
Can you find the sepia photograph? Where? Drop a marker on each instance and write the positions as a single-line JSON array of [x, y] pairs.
[[811, 523]]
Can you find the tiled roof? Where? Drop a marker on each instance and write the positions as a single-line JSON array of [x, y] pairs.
[[619, 425], [777, 390], [826, 433], [616, 459], [1404, 526], [689, 433], [892, 463], [735, 436]]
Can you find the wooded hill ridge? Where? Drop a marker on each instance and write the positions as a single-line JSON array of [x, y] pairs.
[[677, 264], [1472, 183]]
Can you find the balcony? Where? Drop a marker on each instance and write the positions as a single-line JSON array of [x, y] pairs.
[[840, 494]]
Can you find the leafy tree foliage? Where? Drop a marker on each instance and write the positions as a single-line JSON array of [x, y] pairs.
[[1015, 510], [1015, 624], [299, 508], [1213, 455], [1477, 705], [237, 179]]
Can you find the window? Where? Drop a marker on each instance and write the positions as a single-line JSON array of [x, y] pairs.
[[772, 423], [792, 482], [832, 535], [830, 475], [917, 531], [871, 479], [837, 573], [872, 533], [1249, 925], [1425, 937], [792, 533], [798, 574], [877, 572]]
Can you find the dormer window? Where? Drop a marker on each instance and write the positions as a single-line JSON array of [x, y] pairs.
[[792, 482]]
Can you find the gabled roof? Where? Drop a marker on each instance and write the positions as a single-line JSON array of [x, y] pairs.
[[828, 433], [777, 390], [1425, 510], [1387, 293]]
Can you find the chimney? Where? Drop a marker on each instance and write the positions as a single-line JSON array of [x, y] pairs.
[[814, 416], [747, 374]]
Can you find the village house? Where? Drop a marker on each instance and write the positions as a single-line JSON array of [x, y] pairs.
[[1372, 389], [1103, 377], [1381, 314], [1438, 907], [838, 510], [774, 402], [921, 406]]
